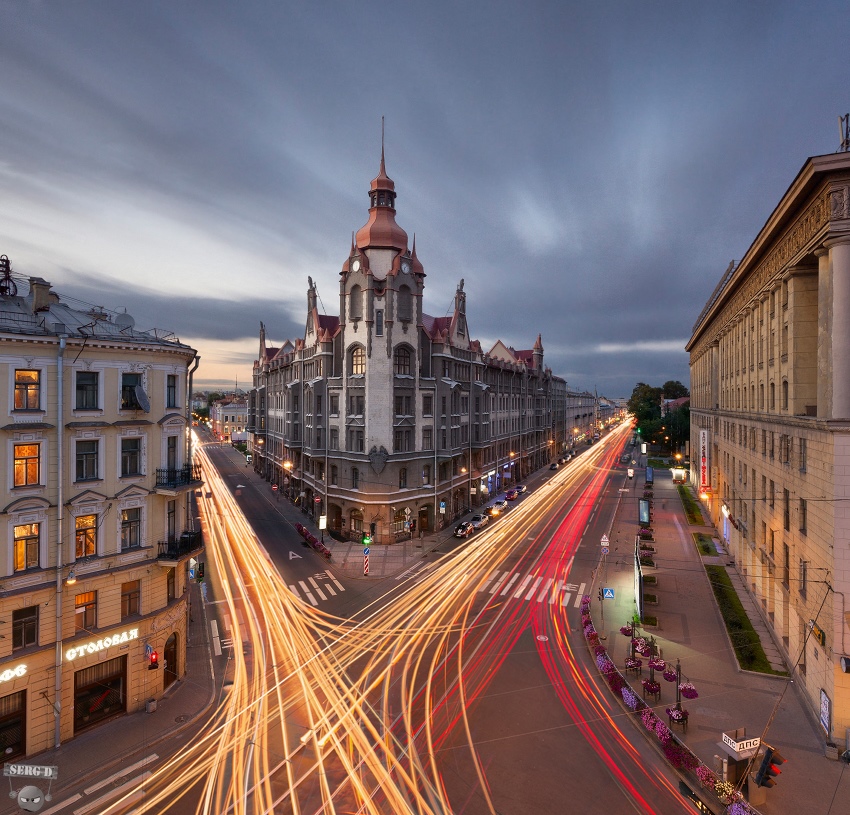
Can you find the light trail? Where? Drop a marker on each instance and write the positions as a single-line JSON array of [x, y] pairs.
[[351, 716]]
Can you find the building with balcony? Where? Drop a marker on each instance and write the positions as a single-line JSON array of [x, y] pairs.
[[770, 427], [388, 420], [96, 528]]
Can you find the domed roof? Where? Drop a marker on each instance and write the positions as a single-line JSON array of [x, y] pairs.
[[381, 230]]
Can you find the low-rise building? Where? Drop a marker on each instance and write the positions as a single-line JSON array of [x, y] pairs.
[[96, 528]]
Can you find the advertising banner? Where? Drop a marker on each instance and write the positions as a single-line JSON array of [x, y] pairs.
[[704, 463]]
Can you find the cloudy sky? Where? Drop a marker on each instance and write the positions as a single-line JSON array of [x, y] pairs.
[[589, 168]]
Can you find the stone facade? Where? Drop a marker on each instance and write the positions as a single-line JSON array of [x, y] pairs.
[[390, 421], [96, 528], [770, 396]]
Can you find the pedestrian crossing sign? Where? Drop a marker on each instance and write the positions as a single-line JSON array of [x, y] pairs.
[[607, 594]]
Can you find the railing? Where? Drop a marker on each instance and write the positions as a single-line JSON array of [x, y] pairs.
[[179, 477], [179, 546]]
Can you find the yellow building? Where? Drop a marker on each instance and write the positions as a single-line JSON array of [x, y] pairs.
[[96, 527], [770, 419]]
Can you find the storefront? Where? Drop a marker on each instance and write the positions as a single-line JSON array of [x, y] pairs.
[[100, 691]]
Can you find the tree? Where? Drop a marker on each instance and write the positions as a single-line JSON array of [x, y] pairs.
[[673, 389], [645, 403]]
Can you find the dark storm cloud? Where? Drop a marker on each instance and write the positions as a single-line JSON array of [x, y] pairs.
[[588, 169], [196, 316]]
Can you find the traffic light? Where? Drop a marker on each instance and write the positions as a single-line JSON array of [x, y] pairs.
[[200, 573], [769, 767], [153, 661], [366, 539]]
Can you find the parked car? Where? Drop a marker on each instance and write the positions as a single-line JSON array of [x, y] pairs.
[[478, 521], [491, 511], [464, 529], [501, 504], [512, 494], [553, 465], [521, 488], [562, 461]]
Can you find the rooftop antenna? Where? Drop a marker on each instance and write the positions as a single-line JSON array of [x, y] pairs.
[[7, 285], [844, 132]]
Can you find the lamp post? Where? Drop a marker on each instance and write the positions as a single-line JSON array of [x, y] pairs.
[[287, 466]]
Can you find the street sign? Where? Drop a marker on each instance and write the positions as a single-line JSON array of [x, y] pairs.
[[191, 574], [148, 651], [604, 541], [274, 487], [607, 594], [30, 771], [442, 507], [366, 551], [605, 550], [317, 500]]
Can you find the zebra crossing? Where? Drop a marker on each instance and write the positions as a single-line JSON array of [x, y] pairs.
[[311, 587], [532, 588]]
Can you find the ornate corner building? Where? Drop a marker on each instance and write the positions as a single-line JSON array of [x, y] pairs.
[[770, 417], [95, 524], [388, 420]]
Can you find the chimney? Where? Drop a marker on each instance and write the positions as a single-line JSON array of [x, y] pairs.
[[40, 295]]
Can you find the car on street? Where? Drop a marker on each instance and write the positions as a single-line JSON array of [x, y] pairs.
[[521, 488], [553, 465], [464, 529], [477, 521], [491, 511], [501, 504], [512, 494]]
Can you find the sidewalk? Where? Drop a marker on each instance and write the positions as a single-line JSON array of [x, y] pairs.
[[105, 747], [691, 630]]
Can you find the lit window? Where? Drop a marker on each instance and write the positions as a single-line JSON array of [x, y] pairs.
[[358, 361], [85, 611], [27, 465], [86, 535], [26, 547], [27, 390]]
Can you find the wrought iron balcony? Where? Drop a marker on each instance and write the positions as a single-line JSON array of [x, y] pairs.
[[179, 547], [173, 480]]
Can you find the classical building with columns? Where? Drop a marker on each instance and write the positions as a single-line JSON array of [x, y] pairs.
[[770, 421], [389, 421]]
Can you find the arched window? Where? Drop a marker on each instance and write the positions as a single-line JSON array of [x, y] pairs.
[[405, 304], [772, 396], [356, 520], [355, 306], [358, 361], [761, 397], [785, 394], [401, 361], [402, 478], [355, 478]]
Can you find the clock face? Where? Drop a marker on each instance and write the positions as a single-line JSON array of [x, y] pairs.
[[405, 267], [356, 266]]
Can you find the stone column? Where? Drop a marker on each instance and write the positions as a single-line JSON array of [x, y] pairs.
[[839, 265]]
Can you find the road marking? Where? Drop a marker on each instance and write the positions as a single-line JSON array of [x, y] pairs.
[[533, 588], [542, 594], [215, 637], [315, 585], [580, 594], [508, 585], [489, 578], [330, 588], [306, 590], [121, 773], [498, 583], [96, 806], [338, 584], [521, 589], [61, 806]]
